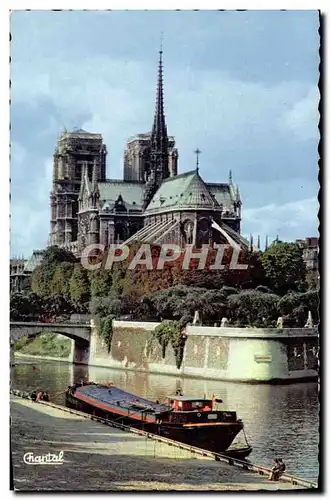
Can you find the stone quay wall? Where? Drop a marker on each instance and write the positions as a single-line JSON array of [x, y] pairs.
[[233, 354]]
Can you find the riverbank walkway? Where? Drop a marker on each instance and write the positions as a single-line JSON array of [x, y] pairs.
[[101, 458]]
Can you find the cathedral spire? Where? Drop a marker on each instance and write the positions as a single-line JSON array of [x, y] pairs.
[[159, 130], [159, 140]]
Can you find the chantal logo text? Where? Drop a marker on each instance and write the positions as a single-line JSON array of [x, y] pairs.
[[49, 459]]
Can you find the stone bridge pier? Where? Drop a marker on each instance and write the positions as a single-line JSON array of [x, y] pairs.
[[79, 351]]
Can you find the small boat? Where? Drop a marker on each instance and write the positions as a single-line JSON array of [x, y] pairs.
[[239, 453], [190, 420]]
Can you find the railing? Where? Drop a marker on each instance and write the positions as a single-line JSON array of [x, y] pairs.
[[295, 481]]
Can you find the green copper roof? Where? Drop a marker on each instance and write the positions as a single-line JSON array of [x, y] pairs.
[[188, 190], [131, 192], [222, 194]]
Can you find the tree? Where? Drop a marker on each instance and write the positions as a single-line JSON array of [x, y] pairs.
[[41, 279], [60, 284], [25, 306], [251, 308], [56, 255], [79, 285], [100, 282], [284, 267], [42, 276], [103, 306], [56, 306], [182, 301]]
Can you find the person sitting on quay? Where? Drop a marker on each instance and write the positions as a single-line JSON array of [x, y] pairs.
[[33, 395], [277, 470], [45, 396], [39, 396]]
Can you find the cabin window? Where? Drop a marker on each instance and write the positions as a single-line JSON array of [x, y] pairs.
[[196, 405]]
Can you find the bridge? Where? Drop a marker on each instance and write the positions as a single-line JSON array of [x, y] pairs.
[[75, 331], [79, 333]]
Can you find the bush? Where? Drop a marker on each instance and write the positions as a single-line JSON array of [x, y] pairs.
[[106, 330], [253, 308], [171, 332]]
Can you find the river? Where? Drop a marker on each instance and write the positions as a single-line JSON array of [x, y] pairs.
[[280, 420]]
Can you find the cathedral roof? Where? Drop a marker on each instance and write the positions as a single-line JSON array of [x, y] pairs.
[[131, 193], [34, 261], [223, 195], [188, 190]]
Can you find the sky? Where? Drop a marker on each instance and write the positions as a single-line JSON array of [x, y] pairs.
[[240, 86]]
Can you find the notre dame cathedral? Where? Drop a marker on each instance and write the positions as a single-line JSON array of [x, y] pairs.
[[152, 204]]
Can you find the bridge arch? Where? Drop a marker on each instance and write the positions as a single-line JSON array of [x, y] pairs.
[[80, 334], [70, 330]]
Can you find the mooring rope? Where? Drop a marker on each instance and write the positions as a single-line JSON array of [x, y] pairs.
[[247, 442]]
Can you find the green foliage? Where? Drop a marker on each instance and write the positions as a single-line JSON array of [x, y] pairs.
[[60, 284], [56, 255], [170, 331], [22, 342], [57, 306], [251, 308], [79, 285], [32, 307], [182, 301], [25, 306], [106, 330], [117, 276], [284, 268], [100, 282], [294, 308], [45, 344], [103, 306], [42, 277]]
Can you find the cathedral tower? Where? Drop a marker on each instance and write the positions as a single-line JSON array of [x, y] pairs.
[[74, 149]]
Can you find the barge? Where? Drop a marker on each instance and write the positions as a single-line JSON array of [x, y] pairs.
[[190, 420]]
